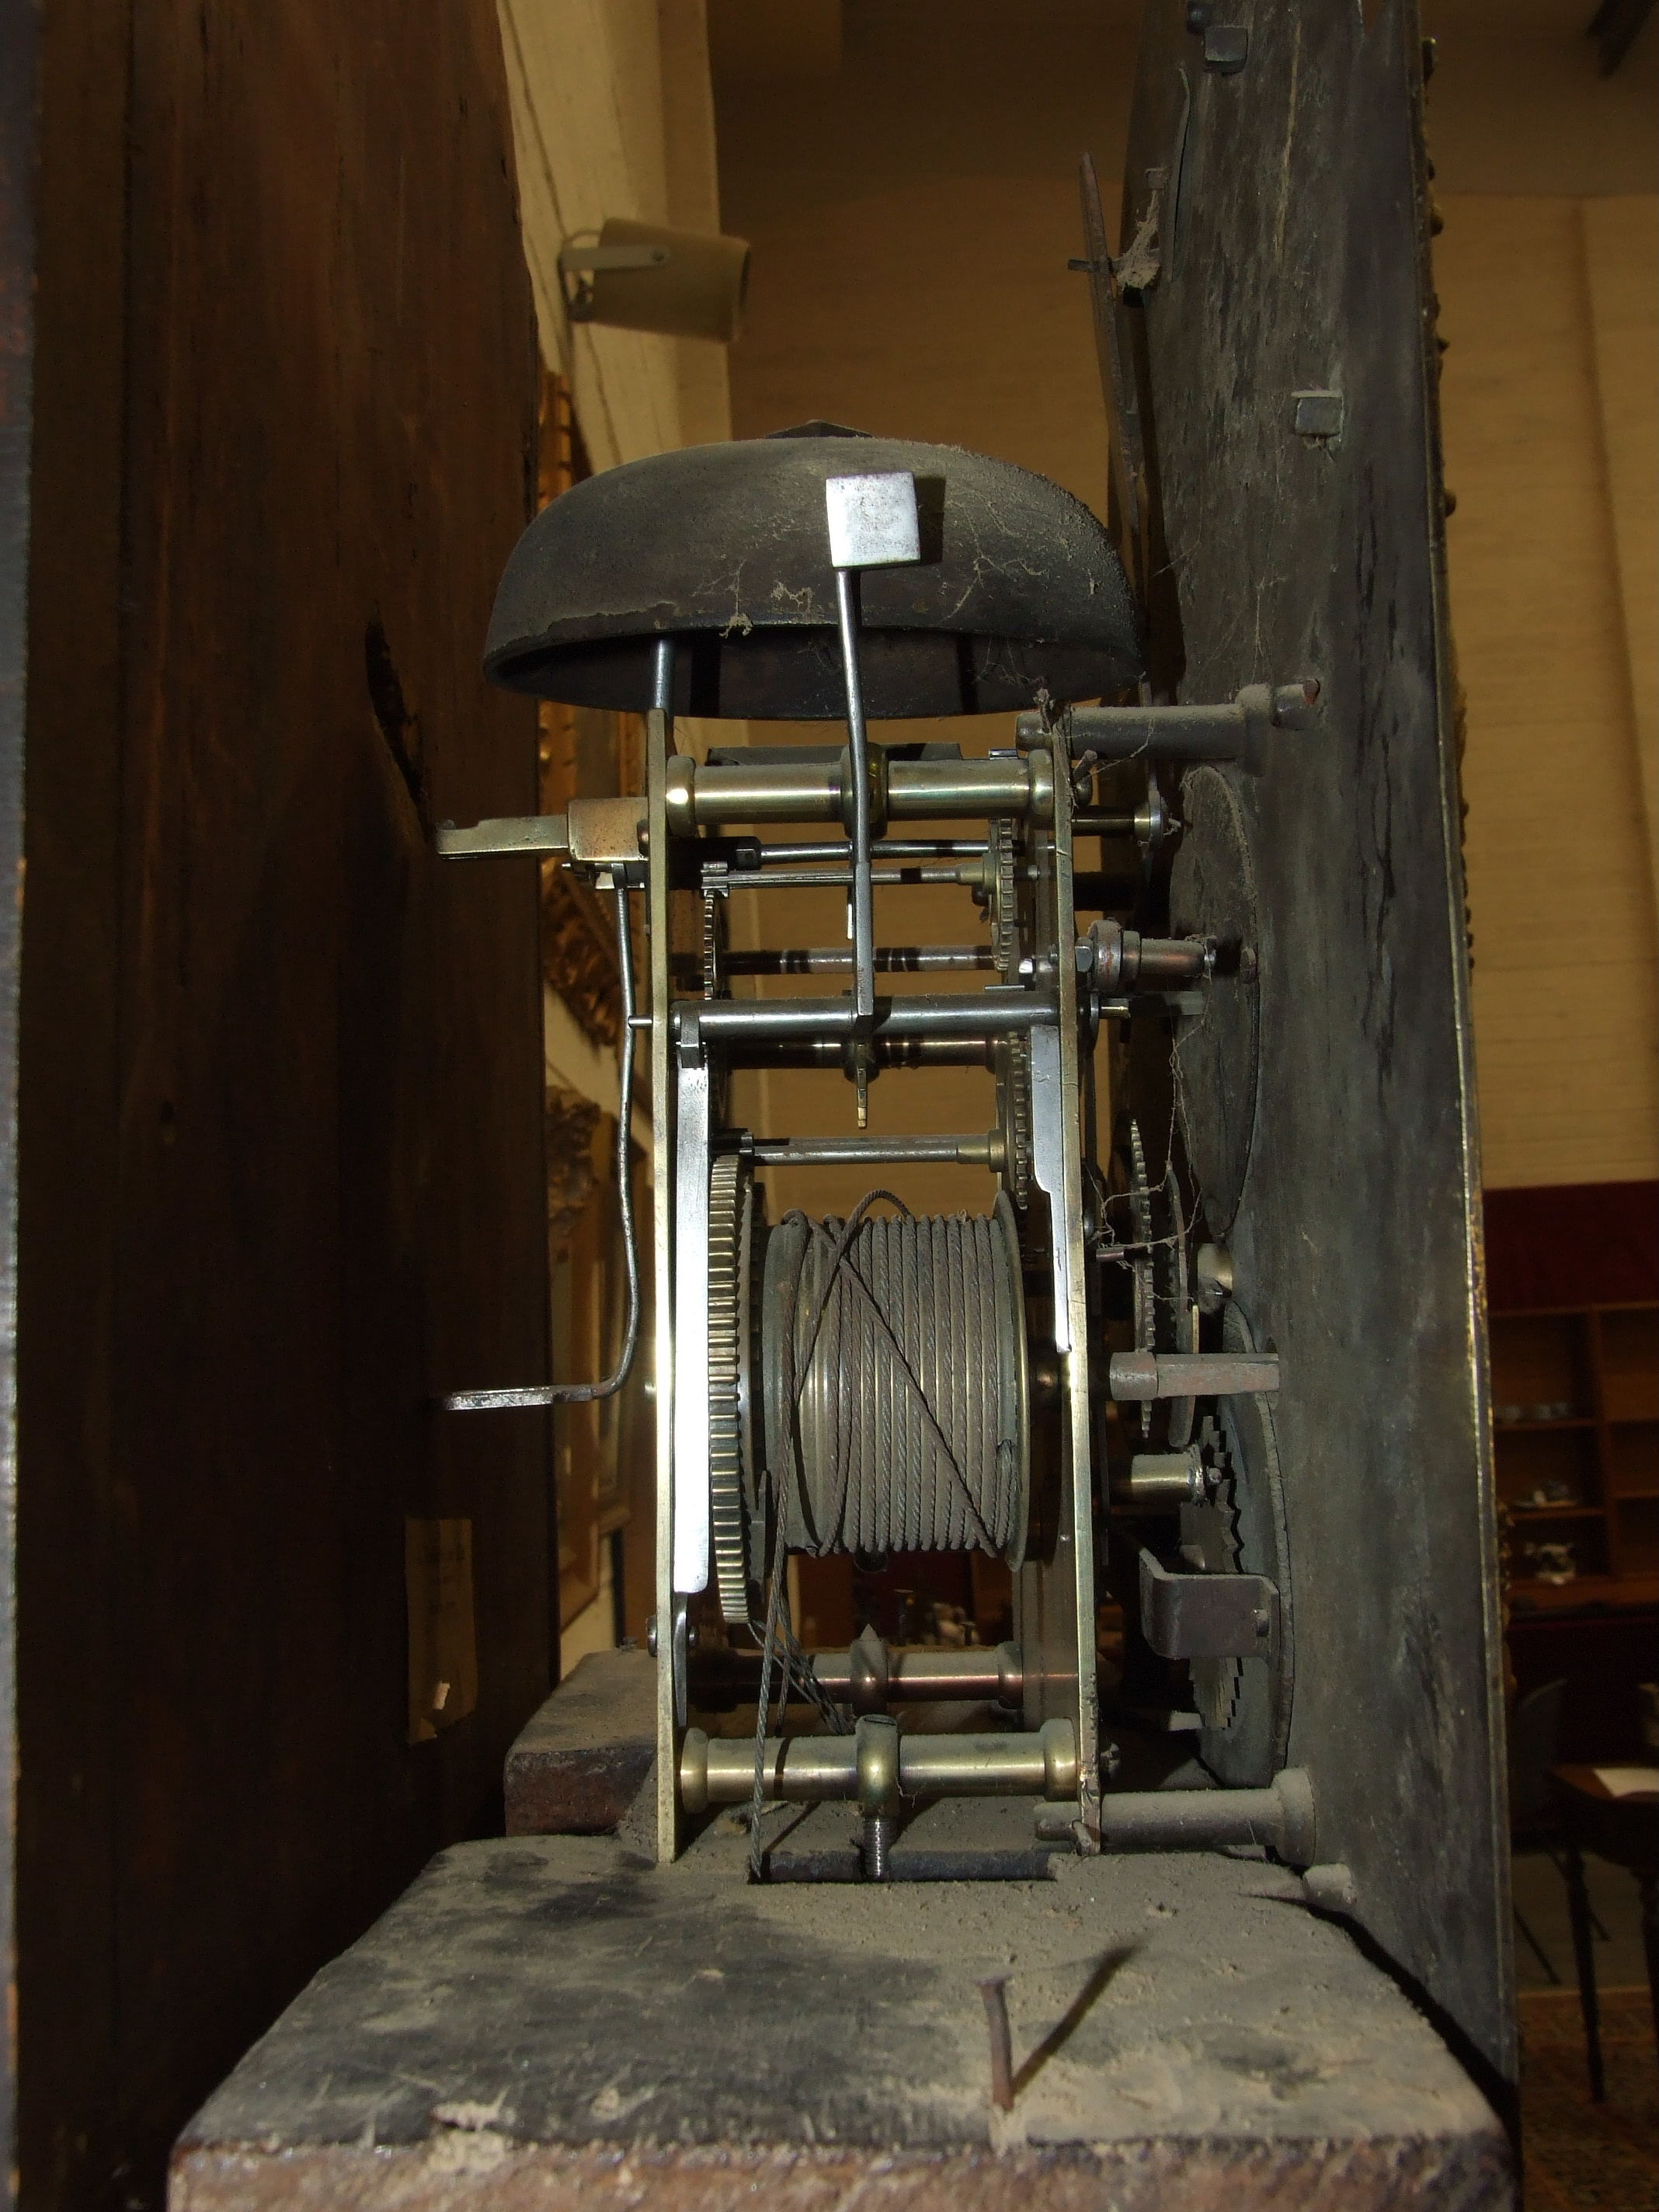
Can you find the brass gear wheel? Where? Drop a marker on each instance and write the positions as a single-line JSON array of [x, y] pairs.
[[731, 1229], [1154, 1251], [1002, 883], [713, 945], [1144, 1275], [1013, 1072], [1175, 1292]]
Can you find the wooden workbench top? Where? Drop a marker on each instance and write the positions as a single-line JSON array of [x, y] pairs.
[[548, 2021]]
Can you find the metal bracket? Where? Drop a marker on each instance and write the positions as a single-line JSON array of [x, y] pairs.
[[591, 833], [1206, 1616], [503, 835], [1139, 1377], [589, 260], [578, 266]]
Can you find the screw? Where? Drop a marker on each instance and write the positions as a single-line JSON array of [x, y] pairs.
[[878, 1830]]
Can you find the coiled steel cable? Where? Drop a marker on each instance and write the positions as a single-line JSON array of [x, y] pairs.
[[895, 1360]]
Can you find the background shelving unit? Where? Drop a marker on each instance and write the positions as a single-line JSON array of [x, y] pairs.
[[1576, 1435], [1573, 1278]]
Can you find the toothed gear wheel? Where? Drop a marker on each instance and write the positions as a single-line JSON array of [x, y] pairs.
[[1174, 1288], [713, 945], [1005, 897], [1014, 1116], [1140, 1209], [731, 1217], [1210, 1540]]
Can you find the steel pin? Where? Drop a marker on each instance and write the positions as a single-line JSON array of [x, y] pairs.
[[994, 1990]]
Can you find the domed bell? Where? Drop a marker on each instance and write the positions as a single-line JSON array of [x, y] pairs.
[[724, 548]]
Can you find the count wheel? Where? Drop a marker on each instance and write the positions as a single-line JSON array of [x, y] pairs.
[[732, 1478]]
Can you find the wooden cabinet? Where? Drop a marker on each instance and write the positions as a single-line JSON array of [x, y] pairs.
[[1575, 1438], [1572, 1275]]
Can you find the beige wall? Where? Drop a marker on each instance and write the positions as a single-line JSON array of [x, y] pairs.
[[1566, 976], [1621, 275], [911, 212], [905, 173], [911, 215], [1548, 282], [1516, 104], [612, 115]]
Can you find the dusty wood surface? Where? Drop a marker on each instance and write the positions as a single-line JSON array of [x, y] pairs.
[[281, 1091], [579, 1762], [549, 2021]]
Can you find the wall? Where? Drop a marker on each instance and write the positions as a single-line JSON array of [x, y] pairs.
[[281, 1142], [911, 217], [909, 194], [613, 116], [1549, 289], [911, 198], [1560, 857]]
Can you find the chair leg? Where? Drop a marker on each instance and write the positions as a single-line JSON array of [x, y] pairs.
[[1537, 1948], [1584, 1957], [1596, 1928], [1646, 1883]]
